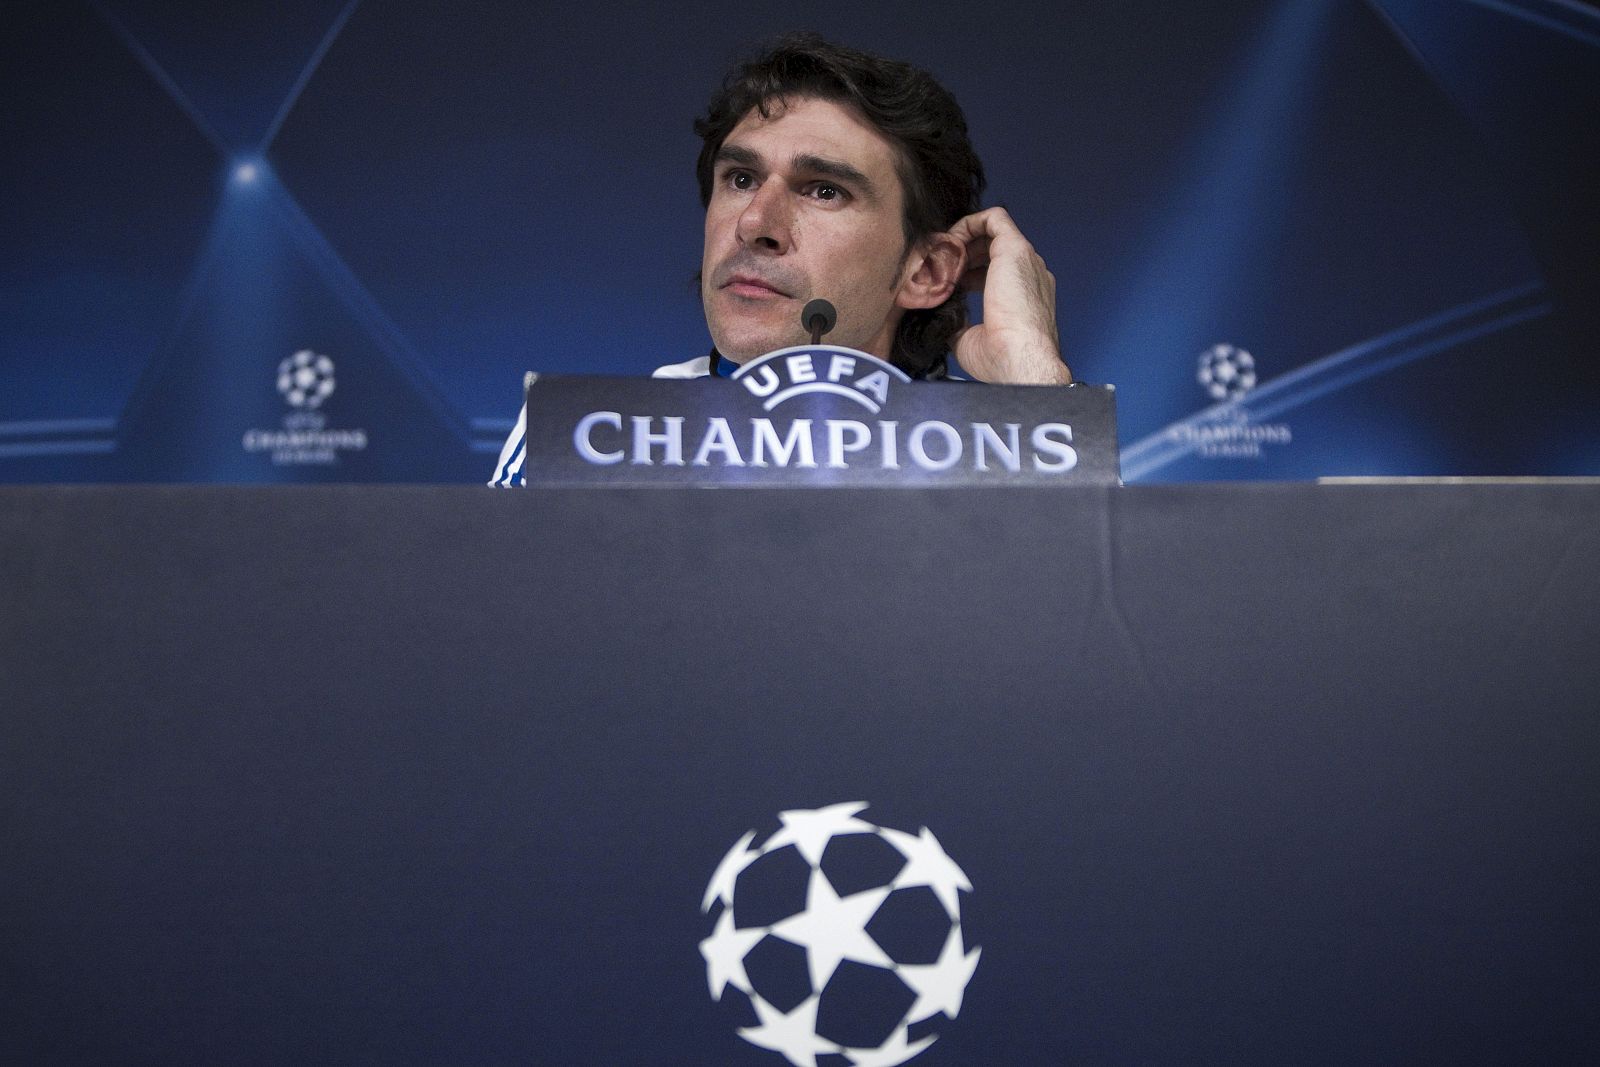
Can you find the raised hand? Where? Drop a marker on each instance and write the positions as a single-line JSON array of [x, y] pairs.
[[1017, 343]]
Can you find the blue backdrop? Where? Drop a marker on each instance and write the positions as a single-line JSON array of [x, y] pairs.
[[1382, 212]]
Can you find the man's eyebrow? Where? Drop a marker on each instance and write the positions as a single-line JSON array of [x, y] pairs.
[[732, 153]]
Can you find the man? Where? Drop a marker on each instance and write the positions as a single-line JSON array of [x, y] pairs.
[[828, 172]]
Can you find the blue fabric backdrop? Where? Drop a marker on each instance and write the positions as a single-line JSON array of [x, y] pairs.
[[1388, 205]]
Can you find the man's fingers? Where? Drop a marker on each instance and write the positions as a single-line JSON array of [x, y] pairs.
[[989, 223], [976, 270]]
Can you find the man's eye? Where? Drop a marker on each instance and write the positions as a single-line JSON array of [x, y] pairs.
[[827, 191], [741, 179]]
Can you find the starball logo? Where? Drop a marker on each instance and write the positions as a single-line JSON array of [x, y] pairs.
[[874, 913], [306, 379], [824, 376], [1226, 372]]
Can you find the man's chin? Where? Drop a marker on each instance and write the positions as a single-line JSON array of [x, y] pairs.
[[742, 349]]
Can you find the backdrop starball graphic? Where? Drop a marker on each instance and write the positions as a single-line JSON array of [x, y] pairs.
[[837, 929], [306, 379], [1226, 372]]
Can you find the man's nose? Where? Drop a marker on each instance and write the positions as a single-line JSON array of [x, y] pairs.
[[765, 222]]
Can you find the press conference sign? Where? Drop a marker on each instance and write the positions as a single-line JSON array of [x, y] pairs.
[[816, 415]]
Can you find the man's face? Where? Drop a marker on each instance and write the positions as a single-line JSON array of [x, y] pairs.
[[804, 204]]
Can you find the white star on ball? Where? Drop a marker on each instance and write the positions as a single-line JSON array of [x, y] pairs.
[[893, 1052], [724, 953], [940, 987], [794, 1035], [810, 831], [928, 864], [727, 873], [834, 928]]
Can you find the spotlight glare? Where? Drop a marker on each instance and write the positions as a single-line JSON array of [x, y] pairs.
[[244, 173]]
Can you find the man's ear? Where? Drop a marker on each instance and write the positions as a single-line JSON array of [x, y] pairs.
[[931, 272]]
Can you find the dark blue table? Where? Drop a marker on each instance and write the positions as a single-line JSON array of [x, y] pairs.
[[427, 775]]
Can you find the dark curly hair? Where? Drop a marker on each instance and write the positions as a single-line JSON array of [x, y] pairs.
[[938, 169]]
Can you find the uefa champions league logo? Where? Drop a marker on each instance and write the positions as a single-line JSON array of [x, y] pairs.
[[862, 920], [1226, 372], [306, 379]]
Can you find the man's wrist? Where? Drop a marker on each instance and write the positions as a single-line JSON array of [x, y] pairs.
[[1045, 368], [1060, 374]]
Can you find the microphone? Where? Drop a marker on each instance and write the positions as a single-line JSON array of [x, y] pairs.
[[818, 317]]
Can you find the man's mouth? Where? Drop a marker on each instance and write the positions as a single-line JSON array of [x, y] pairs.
[[748, 285]]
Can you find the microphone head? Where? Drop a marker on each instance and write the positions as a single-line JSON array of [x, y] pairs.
[[818, 308]]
